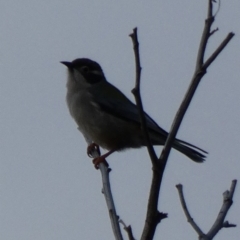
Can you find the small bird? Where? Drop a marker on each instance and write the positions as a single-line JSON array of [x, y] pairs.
[[107, 118]]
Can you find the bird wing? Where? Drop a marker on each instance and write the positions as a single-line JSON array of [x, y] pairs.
[[114, 102]]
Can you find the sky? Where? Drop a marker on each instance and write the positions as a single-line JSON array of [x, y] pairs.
[[49, 187]]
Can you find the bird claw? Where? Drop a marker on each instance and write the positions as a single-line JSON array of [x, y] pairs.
[[96, 161], [93, 147]]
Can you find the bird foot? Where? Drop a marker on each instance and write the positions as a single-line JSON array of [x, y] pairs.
[[93, 147], [96, 161], [102, 159]]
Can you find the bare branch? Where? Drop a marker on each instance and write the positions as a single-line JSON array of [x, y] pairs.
[[213, 31], [136, 93], [218, 50], [219, 223], [205, 36], [227, 202], [153, 215], [108, 197], [226, 224], [128, 229], [187, 213]]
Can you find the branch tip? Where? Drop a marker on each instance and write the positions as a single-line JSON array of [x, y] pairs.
[[137, 95], [134, 91], [128, 229], [226, 224], [186, 211], [213, 31], [179, 186], [160, 216]]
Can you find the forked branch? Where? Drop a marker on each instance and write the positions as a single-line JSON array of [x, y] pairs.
[[219, 222], [153, 216]]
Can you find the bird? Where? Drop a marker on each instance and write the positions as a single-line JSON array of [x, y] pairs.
[[107, 118]]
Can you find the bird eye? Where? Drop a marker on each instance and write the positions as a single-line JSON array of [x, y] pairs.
[[85, 69]]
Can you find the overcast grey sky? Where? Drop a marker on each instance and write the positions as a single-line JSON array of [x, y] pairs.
[[49, 187]]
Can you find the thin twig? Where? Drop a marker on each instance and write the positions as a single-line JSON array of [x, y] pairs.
[[128, 229], [136, 93], [187, 213], [199, 73], [110, 203], [108, 197], [219, 223], [213, 31], [227, 203], [205, 36], [226, 224], [218, 50], [219, 6]]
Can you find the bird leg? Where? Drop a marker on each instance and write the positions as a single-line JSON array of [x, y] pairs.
[[101, 159]]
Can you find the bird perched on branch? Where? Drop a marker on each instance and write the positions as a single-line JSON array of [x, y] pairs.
[[107, 118]]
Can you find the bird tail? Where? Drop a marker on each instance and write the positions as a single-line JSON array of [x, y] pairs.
[[194, 153]]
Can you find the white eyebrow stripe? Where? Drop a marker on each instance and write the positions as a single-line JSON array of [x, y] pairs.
[[97, 72]]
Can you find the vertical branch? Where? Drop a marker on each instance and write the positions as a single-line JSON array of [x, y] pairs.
[[106, 190], [205, 35], [153, 215], [136, 93], [109, 200]]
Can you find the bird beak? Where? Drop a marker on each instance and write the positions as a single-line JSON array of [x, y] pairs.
[[68, 64]]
